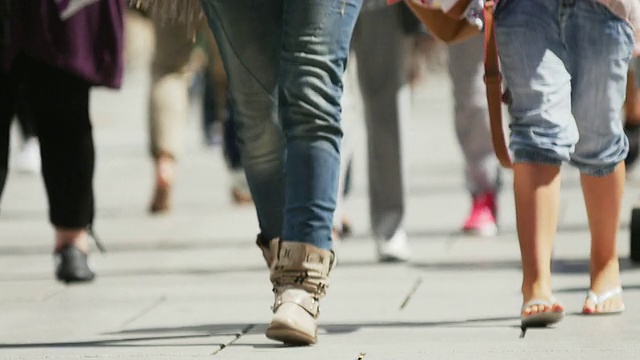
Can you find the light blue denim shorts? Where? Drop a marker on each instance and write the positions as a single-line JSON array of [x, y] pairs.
[[565, 63]]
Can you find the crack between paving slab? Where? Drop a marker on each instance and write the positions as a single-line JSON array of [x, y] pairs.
[[413, 290], [145, 311], [50, 294], [242, 333]]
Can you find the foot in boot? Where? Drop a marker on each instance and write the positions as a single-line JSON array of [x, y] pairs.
[[300, 277]]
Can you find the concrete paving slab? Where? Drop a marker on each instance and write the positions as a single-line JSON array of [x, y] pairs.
[[192, 285]]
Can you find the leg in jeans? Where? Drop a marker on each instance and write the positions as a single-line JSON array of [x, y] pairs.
[[603, 43], [60, 103], [168, 104], [381, 47], [315, 48], [251, 58], [351, 110], [482, 171], [285, 70]]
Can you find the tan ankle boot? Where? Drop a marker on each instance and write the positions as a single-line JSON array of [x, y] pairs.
[[270, 251], [300, 276]]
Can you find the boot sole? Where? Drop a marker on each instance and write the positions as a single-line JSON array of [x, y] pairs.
[[289, 335]]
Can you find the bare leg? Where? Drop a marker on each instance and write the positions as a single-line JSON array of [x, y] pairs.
[[603, 198], [537, 190]]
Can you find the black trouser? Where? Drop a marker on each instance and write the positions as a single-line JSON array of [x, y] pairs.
[[25, 121], [58, 103]]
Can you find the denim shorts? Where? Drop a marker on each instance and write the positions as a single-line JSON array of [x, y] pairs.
[[565, 63]]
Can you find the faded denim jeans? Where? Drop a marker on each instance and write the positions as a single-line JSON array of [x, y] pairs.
[[565, 63], [285, 60]]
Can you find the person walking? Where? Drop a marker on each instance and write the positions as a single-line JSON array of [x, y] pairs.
[[284, 67], [382, 54], [565, 64], [53, 53]]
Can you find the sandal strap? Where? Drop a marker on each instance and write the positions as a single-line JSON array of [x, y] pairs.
[[599, 298], [552, 301]]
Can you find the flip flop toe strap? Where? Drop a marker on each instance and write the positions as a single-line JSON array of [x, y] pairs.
[[550, 303], [597, 299]]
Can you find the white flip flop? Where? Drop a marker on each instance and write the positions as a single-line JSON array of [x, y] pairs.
[[542, 319], [597, 299]]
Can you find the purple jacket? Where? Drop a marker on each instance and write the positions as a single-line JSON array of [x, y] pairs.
[[89, 43]]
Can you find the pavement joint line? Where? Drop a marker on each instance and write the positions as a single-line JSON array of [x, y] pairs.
[[145, 310], [238, 336], [413, 290], [52, 293]]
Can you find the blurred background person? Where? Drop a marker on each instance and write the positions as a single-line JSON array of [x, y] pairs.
[[53, 53], [178, 66], [217, 109], [386, 69], [632, 114]]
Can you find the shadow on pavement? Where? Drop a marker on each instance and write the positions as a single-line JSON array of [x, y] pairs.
[[559, 266], [239, 329]]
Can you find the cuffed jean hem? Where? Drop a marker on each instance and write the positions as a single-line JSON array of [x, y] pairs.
[[596, 171], [324, 243], [534, 157]]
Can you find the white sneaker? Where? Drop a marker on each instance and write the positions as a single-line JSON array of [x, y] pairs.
[[395, 249], [28, 159]]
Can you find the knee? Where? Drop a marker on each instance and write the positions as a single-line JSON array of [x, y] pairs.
[[599, 155], [541, 141]]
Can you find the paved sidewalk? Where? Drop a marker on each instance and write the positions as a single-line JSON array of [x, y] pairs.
[[191, 285]]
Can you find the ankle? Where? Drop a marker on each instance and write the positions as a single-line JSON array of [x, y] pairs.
[[75, 237], [605, 275], [165, 170], [536, 288]]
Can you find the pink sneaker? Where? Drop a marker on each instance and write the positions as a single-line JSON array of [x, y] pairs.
[[482, 220]]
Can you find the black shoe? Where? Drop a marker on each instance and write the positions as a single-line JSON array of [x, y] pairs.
[[633, 134], [71, 265]]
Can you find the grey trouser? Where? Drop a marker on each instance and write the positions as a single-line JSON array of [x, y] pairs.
[[466, 70], [381, 56], [380, 48]]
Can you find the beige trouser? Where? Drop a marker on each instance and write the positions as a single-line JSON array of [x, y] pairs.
[[169, 92], [171, 73]]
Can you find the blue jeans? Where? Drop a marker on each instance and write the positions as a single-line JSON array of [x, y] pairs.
[[565, 63], [285, 60]]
